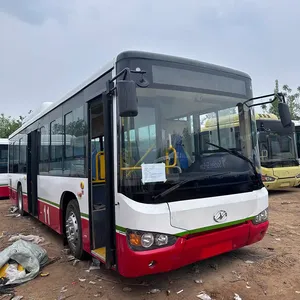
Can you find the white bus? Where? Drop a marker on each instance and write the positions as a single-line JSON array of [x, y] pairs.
[[3, 169], [137, 189]]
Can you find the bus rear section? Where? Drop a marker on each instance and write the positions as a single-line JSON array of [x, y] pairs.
[[278, 153], [4, 191], [126, 173]]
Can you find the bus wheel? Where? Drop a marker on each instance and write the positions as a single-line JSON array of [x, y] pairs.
[[20, 201], [73, 229]]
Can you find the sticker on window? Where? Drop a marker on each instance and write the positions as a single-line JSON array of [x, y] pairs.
[[153, 173]]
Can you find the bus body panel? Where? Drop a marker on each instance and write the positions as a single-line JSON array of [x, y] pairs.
[[4, 191], [198, 237], [50, 192], [49, 201], [284, 177], [186, 250], [239, 208]]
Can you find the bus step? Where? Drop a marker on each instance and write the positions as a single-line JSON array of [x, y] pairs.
[[100, 253]]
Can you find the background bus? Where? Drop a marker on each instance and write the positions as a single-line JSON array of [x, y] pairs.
[[277, 149], [121, 188], [4, 192]]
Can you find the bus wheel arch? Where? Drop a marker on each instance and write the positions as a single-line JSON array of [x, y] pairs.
[[71, 223]]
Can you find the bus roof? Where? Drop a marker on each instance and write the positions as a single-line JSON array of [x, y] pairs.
[[110, 65], [179, 60], [3, 141]]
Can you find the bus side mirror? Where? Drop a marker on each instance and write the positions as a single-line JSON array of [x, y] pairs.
[[285, 115], [126, 91]]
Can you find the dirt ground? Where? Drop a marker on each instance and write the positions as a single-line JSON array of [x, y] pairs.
[[267, 270]]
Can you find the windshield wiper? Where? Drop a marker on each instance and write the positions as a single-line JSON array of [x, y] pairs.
[[178, 185], [237, 154]]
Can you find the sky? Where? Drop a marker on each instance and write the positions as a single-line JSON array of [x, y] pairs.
[[49, 47]]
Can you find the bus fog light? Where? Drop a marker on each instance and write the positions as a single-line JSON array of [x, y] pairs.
[[261, 217], [161, 239], [147, 240]]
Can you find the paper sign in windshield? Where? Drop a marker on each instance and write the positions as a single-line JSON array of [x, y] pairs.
[[153, 173]]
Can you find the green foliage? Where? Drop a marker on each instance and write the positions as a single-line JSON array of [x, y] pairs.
[[8, 125], [291, 98]]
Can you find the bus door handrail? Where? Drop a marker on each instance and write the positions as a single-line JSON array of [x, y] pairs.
[[100, 162]]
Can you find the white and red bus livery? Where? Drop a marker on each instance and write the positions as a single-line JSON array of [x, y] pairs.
[[4, 193], [119, 166]]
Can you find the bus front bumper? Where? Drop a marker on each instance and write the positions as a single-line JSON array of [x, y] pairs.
[[186, 250], [280, 183]]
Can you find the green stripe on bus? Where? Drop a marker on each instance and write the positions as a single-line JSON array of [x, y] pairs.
[[213, 227], [203, 229], [84, 215], [49, 202], [119, 228], [3, 184]]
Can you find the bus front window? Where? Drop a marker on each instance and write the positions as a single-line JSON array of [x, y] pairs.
[[277, 149], [175, 128]]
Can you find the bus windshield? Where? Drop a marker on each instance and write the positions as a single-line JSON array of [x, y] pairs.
[[3, 158], [167, 143], [277, 148]]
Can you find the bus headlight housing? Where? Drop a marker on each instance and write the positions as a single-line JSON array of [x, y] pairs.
[[298, 176], [261, 217], [141, 240], [266, 178]]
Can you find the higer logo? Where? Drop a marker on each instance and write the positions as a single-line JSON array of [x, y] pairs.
[[220, 216]]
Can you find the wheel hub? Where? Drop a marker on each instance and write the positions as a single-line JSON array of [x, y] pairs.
[[72, 230]]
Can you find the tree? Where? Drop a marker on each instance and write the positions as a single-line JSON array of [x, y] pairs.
[[292, 99], [8, 125]]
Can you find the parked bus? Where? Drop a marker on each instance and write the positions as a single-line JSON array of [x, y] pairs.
[[3, 169], [278, 153], [145, 207]]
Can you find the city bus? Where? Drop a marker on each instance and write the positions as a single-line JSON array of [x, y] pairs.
[[3, 169], [278, 152], [126, 193]]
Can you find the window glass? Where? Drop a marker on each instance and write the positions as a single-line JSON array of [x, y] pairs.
[[3, 158], [44, 150], [16, 157], [23, 154], [56, 148], [75, 143]]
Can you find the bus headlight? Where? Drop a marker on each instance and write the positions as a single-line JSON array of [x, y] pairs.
[[267, 178], [147, 240], [298, 176], [261, 217], [141, 240]]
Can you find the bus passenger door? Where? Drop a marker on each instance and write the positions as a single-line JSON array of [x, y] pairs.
[[101, 178], [32, 167]]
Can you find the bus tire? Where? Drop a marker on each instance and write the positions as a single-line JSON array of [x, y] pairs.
[[73, 229], [20, 201]]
